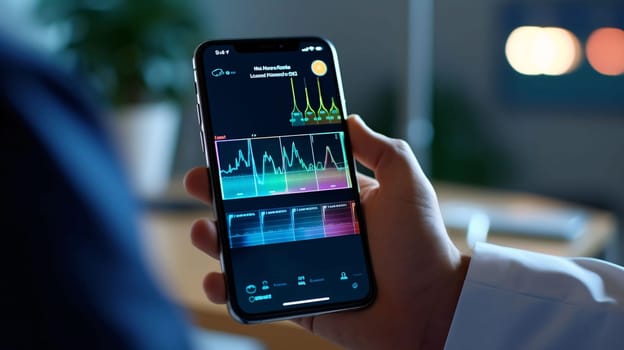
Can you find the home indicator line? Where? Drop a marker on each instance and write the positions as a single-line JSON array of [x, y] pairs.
[[306, 301]]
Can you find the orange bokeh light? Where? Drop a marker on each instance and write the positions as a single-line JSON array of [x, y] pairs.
[[605, 51]]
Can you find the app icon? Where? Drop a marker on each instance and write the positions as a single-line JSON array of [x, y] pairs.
[[319, 68], [301, 281], [250, 289]]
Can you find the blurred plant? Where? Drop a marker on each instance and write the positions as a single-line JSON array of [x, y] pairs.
[[462, 150], [132, 51]]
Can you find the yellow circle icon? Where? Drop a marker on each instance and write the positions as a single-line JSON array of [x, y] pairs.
[[319, 68]]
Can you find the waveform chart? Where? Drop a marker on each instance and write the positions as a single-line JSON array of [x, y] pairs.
[[253, 168], [268, 166], [282, 225], [299, 164], [271, 178], [338, 219], [243, 228], [277, 226], [314, 112], [331, 161], [308, 222]]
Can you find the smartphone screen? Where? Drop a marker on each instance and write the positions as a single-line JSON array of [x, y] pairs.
[[272, 118]]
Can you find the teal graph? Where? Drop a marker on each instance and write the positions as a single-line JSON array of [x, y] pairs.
[[256, 167]]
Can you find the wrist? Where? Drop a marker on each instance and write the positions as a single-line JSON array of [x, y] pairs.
[[444, 305]]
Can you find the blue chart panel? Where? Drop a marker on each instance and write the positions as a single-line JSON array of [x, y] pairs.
[[280, 225], [308, 223], [267, 166], [243, 229], [276, 226]]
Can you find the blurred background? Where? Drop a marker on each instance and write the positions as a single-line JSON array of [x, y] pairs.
[[439, 76], [505, 95], [539, 111]]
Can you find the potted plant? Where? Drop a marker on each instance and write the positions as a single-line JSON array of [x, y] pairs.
[[136, 54]]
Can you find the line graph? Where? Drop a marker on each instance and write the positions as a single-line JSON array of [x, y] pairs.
[[299, 163], [331, 147], [280, 225], [311, 116], [256, 167]]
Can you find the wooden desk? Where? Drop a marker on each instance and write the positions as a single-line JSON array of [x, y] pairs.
[[599, 230], [181, 267]]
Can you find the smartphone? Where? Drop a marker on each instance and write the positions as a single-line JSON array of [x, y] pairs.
[[272, 114]]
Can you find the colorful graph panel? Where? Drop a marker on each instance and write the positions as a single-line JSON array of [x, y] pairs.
[[330, 157], [281, 225], [280, 165], [312, 112], [299, 163]]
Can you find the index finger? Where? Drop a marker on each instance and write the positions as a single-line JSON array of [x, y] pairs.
[[385, 156]]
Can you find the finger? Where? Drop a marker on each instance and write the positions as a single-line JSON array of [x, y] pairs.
[[369, 146], [214, 287], [385, 156], [204, 236], [197, 184], [366, 181], [366, 184]]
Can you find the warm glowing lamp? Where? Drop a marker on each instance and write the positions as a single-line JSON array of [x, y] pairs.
[[542, 50], [519, 50], [562, 51]]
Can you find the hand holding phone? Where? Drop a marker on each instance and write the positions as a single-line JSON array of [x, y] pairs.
[[272, 123], [418, 271]]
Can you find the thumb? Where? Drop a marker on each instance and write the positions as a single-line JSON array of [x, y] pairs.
[[385, 156]]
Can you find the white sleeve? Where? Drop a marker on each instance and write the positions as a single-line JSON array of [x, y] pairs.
[[515, 299]]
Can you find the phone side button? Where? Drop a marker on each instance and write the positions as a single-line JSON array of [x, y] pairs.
[[201, 141], [198, 114]]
